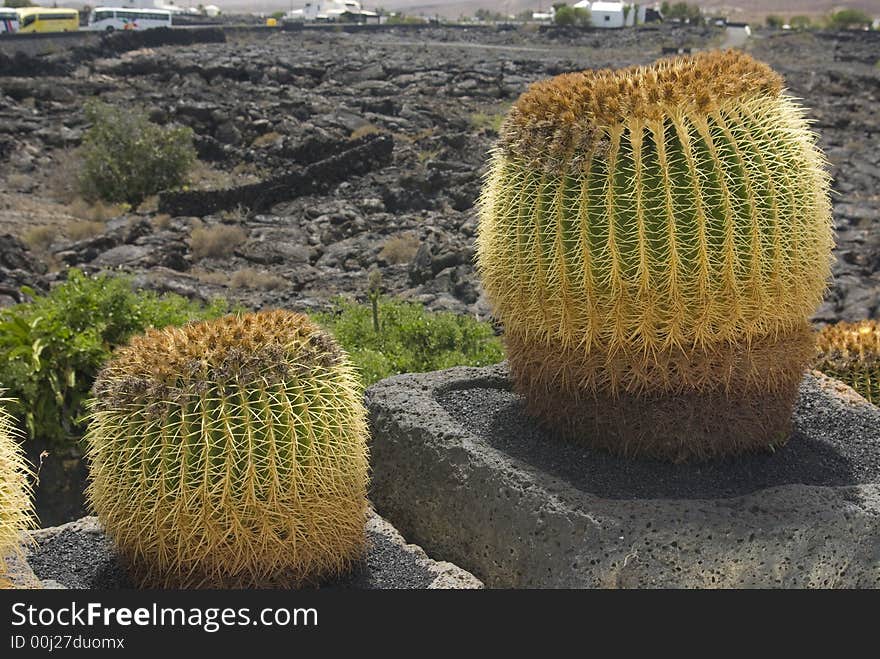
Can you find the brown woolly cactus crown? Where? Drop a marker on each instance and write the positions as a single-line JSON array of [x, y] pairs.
[[231, 453]]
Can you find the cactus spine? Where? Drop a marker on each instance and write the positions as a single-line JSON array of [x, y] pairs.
[[231, 453], [658, 232], [850, 352], [16, 503]]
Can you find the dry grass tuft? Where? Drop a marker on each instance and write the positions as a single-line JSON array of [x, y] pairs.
[[203, 176], [401, 248], [210, 277], [39, 238], [83, 229], [216, 241], [149, 205], [162, 221], [257, 279], [19, 182], [366, 129], [95, 212], [266, 140], [63, 184]]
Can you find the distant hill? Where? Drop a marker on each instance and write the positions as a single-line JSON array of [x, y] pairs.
[[738, 9]]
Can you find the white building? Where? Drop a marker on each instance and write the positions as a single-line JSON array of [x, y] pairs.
[[605, 14], [331, 10], [614, 14]]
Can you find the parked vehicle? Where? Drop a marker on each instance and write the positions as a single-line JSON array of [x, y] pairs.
[[108, 19], [8, 21], [47, 19]]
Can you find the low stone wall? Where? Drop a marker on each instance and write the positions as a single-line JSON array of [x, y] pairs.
[[365, 154], [53, 54]]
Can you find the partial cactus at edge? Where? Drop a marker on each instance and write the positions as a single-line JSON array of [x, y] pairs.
[[231, 453], [652, 232], [850, 352], [16, 502]]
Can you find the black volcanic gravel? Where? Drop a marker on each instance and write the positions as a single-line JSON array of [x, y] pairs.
[[386, 566], [88, 560], [832, 444], [79, 560]]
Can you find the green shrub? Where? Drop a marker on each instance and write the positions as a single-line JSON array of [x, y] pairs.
[[126, 158], [410, 340], [800, 22], [848, 18], [52, 348], [565, 15]]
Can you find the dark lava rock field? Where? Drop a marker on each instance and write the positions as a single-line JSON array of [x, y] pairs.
[[363, 150]]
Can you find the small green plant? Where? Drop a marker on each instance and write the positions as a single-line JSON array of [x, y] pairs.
[[374, 292], [800, 22], [774, 21], [410, 338], [16, 504], [52, 348], [231, 453], [846, 19], [488, 121], [565, 15], [127, 158]]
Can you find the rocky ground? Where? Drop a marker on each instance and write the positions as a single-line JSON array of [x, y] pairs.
[[269, 106]]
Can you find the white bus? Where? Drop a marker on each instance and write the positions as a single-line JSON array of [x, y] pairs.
[[8, 20], [124, 18]]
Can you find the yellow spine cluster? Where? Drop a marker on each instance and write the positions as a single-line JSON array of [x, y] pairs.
[[16, 503], [677, 226], [850, 352], [631, 218], [231, 453]]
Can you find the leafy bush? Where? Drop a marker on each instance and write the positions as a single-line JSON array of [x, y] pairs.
[[848, 18], [410, 340], [52, 348], [800, 22], [126, 158], [565, 15]]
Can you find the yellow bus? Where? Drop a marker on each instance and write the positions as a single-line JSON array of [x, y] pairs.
[[47, 19]]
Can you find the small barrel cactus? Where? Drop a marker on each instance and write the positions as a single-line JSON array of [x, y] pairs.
[[654, 240], [231, 453], [16, 503], [850, 352]]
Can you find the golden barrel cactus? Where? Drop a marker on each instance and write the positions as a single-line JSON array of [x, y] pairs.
[[16, 503], [231, 453], [654, 240], [850, 352]]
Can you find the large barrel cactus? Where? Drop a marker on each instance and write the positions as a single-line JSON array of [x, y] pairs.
[[231, 453], [851, 352], [654, 240], [16, 503]]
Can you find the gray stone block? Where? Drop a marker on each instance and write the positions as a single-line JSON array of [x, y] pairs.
[[460, 469]]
